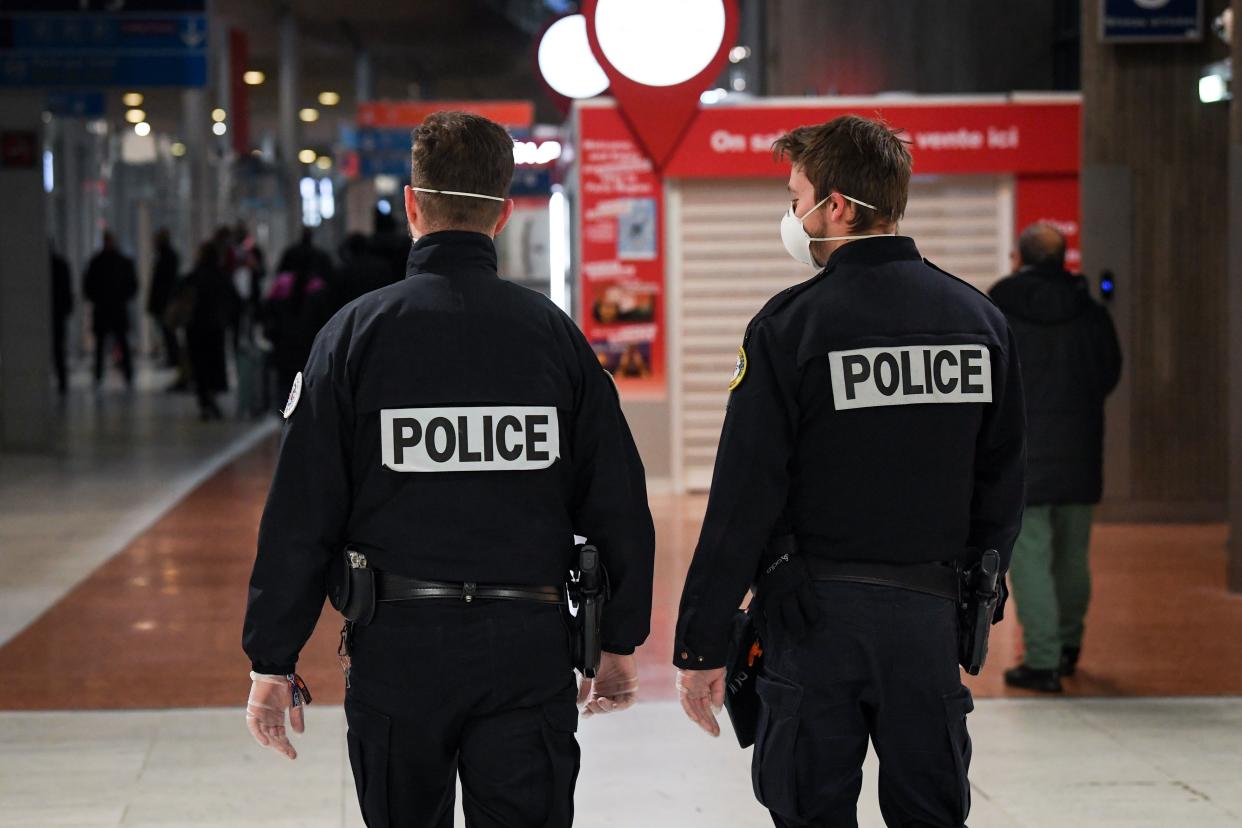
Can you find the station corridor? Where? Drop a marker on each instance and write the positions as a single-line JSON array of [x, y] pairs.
[[123, 673]]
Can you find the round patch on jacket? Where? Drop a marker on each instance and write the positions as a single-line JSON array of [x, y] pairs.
[[739, 373], [295, 394]]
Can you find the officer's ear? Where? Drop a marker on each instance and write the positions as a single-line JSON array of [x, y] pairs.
[[411, 208], [505, 214]]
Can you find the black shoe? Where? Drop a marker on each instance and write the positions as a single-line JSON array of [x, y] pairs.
[[1044, 681], [1069, 661]]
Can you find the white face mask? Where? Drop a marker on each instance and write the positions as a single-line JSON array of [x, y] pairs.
[[798, 242]]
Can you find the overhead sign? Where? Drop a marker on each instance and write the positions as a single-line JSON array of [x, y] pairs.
[[118, 43], [510, 114], [71, 104], [1145, 21], [944, 138]]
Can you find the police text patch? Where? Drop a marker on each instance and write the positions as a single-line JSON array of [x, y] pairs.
[[873, 377], [514, 438]]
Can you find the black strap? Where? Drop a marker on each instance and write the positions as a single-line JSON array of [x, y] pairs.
[[392, 587], [939, 579]]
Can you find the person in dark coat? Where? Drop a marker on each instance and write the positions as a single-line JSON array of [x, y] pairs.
[[109, 284], [163, 282], [362, 269], [215, 303], [298, 303], [1071, 361], [62, 309]]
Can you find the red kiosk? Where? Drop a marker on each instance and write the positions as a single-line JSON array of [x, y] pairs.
[[672, 262]]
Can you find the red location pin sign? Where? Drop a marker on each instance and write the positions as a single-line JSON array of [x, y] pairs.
[[660, 55]]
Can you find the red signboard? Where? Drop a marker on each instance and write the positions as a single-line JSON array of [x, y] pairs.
[[945, 137], [622, 276], [19, 149], [511, 114]]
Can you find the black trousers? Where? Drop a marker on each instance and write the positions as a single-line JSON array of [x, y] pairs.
[[118, 334], [880, 665], [482, 690]]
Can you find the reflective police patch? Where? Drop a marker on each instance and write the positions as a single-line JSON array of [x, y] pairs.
[[739, 373], [513, 438], [873, 377], [295, 394]]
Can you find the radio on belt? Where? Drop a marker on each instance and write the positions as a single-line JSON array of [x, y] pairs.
[[490, 438]]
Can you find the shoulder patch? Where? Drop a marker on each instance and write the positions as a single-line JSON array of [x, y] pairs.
[[739, 373], [295, 394]]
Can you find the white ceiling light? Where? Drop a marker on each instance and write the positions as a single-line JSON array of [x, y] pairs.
[[657, 42], [142, 128], [566, 62]]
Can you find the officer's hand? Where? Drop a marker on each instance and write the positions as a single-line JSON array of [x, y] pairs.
[[270, 697], [786, 597], [702, 696], [615, 686]]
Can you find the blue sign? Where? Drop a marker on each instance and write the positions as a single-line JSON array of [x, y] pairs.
[[129, 48], [1138, 21], [68, 104]]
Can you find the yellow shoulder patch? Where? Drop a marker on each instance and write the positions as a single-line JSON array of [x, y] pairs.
[[739, 373]]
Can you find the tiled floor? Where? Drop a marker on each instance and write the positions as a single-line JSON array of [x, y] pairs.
[[1073, 763], [136, 592]]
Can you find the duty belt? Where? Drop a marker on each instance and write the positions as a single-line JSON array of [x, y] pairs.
[[392, 587], [939, 579]]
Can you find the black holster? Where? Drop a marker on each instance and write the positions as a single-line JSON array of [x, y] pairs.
[[351, 587], [980, 593], [588, 591]]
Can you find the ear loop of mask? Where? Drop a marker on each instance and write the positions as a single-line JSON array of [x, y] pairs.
[[456, 193], [843, 238]]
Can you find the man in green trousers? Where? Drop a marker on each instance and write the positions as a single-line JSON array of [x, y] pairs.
[[1071, 361]]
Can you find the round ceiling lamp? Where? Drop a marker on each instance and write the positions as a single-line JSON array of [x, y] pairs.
[[566, 62], [657, 42]]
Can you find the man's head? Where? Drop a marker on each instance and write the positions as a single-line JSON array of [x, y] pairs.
[[848, 156], [109, 240], [463, 153], [1042, 245]]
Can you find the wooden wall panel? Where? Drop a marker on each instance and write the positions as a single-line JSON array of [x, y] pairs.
[[1141, 112]]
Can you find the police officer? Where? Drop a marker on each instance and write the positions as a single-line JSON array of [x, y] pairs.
[[876, 416], [453, 430]]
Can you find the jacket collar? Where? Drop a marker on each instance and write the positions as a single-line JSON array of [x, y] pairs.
[[452, 253], [873, 251]]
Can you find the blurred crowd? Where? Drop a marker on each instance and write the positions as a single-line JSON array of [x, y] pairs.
[[224, 305]]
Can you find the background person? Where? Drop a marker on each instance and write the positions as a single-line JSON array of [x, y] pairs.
[[1071, 361], [62, 309], [109, 284], [213, 310], [163, 284]]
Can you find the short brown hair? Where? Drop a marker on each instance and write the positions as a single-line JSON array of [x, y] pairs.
[[857, 157], [463, 152]]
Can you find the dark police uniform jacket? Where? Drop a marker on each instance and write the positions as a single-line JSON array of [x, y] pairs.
[[878, 410], [454, 427]]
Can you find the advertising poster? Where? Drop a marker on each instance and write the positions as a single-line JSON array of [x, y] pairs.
[[622, 278]]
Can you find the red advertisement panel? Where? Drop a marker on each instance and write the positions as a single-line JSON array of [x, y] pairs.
[[511, 114], [622, 278], [1053, 199], [945, 137]]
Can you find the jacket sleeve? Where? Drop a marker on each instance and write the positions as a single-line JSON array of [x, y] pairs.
[[1000, 464], [750, 486], [610, 505], [306, 513]]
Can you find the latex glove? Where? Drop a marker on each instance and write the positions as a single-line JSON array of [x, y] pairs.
[[614, 688], [702, 696], [270, 697]]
